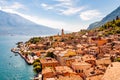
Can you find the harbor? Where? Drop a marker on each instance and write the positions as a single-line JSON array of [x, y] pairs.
[[17, 51]]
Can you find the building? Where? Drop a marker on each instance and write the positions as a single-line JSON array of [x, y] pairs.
[[63, 70], [49, 62], [103, 61], [62, 33], [80, 66], [64, 57], [89, 59], [48, 72], [70, 77], [112, 72]]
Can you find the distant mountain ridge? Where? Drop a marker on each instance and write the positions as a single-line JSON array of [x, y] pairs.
[[109, 17], [15, 24]]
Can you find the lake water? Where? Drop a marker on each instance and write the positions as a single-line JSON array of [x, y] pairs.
[[13, 67]]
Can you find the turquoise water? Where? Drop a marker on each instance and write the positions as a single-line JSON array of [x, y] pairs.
[[13, 67]]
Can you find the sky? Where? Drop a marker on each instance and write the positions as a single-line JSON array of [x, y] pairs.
[[71, 15]]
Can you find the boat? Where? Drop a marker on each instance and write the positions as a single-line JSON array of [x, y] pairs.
[[16, 54]]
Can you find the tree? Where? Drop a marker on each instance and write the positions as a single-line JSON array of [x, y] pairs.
[[117, 59], [35, 40], [37, 60], [37, 69], [118, 23], [36, 64], [50, 54], [117, 17], [62, 40], [18, 44], [112, 58], [113, 21]]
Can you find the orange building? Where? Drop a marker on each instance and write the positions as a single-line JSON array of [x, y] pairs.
[[48, 72], [63, 70], [99, 42], [80, 67], [49, 62]]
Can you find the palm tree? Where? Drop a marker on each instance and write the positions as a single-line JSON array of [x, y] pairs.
[[37, 69], [37, 66]]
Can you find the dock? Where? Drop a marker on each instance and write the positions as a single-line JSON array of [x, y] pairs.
[[17, 50]]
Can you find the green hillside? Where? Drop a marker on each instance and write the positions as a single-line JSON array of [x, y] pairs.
[[112, 27]]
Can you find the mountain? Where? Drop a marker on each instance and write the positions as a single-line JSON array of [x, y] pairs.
[[109, 17], [15, 24]]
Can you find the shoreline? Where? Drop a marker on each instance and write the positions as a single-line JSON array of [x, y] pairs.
[[17, 51], [29, 63], [14, 50]]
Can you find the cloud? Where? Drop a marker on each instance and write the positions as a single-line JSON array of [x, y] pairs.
[[46, 6], [72, 11], [10, 7], [17, 5], [14, 6], [64, 7], [90, 14], [49, 22], [41, 21], [2, 2], [66, 2], [53, 23]]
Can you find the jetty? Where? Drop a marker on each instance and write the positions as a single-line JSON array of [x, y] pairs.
[[17, 50]]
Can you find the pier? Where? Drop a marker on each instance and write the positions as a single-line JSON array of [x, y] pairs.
[[17, 50]]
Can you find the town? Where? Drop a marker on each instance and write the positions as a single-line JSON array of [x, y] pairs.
[[84, 55]]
